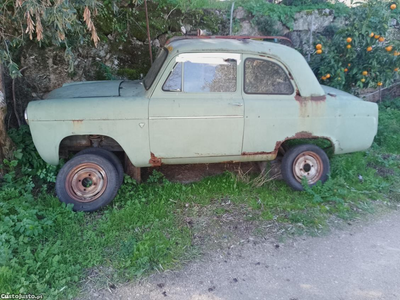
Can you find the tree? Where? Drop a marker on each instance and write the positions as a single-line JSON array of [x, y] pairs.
[[360, 55], [47, 22]]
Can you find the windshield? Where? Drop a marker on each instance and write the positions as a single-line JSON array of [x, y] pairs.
[[155, 68]]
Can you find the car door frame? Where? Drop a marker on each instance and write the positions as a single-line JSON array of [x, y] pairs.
[[171, 113], [269, 118]]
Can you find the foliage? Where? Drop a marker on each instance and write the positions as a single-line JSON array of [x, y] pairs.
[[302, 2], [286, 13], [346, 61], [267, 25], [61, 23], [46, 248], [389, 124], [185, 5]]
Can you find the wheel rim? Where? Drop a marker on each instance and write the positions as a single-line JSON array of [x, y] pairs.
[[308, 164], [86, 182]]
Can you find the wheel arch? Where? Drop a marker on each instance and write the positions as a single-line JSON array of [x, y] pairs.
[[325, 143]]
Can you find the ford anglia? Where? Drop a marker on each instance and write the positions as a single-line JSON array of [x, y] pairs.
[[204, 100]]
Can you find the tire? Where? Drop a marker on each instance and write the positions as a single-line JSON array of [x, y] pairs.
[[107, 155], [305, 160], [87, 181]]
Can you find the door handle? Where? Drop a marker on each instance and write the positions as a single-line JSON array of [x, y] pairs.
[[236, 104]]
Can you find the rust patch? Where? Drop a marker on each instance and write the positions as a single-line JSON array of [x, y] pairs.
[[154, 161], [76, 125], [298, 135], [318, 98], [257, 153], [299, 98], [303, 135]]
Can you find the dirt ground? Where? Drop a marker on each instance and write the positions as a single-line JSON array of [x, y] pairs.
[[359, 261], [193, 173]]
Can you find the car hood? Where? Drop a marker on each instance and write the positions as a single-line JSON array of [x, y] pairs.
[[98, 89]]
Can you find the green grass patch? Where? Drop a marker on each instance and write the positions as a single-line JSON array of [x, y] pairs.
[[46, 248]]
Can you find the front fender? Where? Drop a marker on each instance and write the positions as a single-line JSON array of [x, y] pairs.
[[47, 136]]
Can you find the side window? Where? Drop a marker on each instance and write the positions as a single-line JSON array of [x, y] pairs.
[[266, 77], [211, 75]]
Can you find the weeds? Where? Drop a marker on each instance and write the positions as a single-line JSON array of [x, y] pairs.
[[258, 181]]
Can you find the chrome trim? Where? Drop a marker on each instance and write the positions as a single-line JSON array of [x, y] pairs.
[[26, 116]]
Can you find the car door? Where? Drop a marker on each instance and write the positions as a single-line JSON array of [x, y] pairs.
[[272, 113], [197, 108]]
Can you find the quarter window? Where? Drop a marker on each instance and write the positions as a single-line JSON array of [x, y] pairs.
[[266, 77], [211, 76], [174, 81]]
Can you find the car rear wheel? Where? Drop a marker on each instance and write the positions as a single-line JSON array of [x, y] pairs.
[[87, 181], [307, 161]]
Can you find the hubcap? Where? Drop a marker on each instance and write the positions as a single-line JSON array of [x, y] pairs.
[[86, 182], [308, 164]]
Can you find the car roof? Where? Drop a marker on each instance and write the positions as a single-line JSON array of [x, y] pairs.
[[295, 63], [227, 45]]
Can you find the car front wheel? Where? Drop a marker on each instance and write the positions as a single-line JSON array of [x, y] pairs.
[[87, 181], [307, 161], [108, 155]]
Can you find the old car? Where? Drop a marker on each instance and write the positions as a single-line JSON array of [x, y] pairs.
[[204, 100]]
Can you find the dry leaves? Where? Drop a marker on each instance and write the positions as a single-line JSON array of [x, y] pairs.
[[30, 28], [90, 26], [39, 27]]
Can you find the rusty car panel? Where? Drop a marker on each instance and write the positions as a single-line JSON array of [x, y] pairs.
[[154, 125]]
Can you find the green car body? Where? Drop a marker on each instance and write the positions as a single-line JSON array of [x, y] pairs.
[[155, 126]]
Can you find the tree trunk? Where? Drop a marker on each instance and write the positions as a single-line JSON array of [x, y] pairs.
[[6, 145]]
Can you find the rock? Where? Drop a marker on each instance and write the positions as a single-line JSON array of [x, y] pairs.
[[240, 13], [156, 43], [163, 39], [319, 19], [300, 39], [393, 34], [248, 29], [186, 28], [393, 22], [137, 43], [283, 30]]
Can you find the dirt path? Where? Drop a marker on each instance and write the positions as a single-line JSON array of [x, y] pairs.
[[359, 262]]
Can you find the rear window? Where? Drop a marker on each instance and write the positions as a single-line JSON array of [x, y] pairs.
[[266, 77], [155, 68]]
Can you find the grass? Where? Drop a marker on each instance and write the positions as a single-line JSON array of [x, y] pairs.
[[45, 248]]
